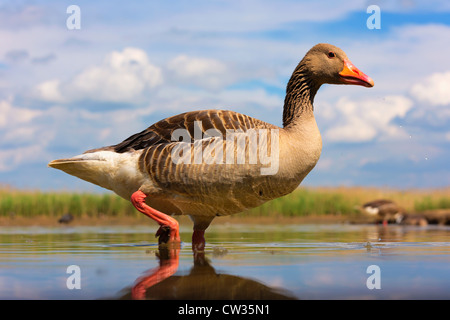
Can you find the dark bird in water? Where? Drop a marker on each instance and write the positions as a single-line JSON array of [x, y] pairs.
[[66, 218]]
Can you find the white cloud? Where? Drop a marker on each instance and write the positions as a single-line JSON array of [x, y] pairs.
[[434, 90], [354, 130], [11, 158], [11, 116], [242, 99], [208, 73], [360, 121], [177, 100], [111, 126], [185, 66], [50, 91], [122, 77], [433, 100], [21, 139]]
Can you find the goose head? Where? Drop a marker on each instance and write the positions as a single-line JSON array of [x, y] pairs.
[[329, 64]]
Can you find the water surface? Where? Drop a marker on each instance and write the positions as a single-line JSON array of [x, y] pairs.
[[240, 262]]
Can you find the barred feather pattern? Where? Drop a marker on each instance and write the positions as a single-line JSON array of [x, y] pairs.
[[218, 187]]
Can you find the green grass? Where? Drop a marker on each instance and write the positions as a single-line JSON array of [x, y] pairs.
[[428, 203], [302, 202], [32, 204], [305, 202]]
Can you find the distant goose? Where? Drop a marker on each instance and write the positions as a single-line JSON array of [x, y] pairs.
[[414, 220], [386, 210], [143, 167], [66, 218]]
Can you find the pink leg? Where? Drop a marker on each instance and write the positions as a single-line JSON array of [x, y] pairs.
[[165, 221], [168, 266]]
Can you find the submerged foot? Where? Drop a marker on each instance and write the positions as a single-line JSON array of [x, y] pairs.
[[167, 234]]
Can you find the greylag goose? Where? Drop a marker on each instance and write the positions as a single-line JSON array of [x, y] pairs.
[[386, 210], [215, 162]]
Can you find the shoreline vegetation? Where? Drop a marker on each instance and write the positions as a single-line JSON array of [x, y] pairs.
[[306, 204]]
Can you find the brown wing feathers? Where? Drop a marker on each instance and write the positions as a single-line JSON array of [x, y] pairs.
[[161, 132]]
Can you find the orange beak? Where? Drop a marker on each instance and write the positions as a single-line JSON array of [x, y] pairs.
[[352, 75]]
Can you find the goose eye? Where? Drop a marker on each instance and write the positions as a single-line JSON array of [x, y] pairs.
[[331, 54]]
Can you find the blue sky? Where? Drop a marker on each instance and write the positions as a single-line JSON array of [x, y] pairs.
[[133, 63]]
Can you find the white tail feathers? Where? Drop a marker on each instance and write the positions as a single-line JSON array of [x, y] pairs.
[[107, 169]]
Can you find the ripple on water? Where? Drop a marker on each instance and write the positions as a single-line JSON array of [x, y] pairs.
[[309, 261]]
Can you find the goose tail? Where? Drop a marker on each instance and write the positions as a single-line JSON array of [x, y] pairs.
[[92, 167]]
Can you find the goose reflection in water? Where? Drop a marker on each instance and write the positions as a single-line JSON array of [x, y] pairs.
[[202, 282]]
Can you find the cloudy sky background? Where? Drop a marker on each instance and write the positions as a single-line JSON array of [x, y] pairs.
[[133, 63]]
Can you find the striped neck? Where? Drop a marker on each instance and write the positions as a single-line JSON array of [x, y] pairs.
[[300, 93]]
